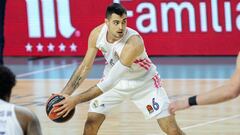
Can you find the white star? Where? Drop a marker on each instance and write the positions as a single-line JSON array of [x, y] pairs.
[[62, 47], [73, 47], [28, 47], [40, 47], [51, 47]]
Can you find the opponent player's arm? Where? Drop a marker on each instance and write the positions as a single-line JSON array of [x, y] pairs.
[[28, 120], [227, 91], [82, 71]]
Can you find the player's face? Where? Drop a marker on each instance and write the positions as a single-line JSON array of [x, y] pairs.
[[117, 25]]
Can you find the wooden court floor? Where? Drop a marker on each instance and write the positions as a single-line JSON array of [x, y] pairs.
[[220, 119]]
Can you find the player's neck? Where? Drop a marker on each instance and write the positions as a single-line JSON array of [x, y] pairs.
[[111, 39]]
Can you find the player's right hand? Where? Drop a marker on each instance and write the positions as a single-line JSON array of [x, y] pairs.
[[178, 105]]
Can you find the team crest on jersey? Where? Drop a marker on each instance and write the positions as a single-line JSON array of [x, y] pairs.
[[149, 108], [95, 104]]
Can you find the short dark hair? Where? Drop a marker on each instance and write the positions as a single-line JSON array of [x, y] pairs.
[[7, 82], [115, 8]]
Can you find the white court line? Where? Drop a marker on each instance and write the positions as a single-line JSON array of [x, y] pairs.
[[44, 70], [49, 69], [210, 122]]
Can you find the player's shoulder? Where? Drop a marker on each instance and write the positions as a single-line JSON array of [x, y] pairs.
[[135, 40], [135, 43], [24, 113], [96, 31]]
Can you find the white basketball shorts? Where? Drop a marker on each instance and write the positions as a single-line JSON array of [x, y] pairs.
[[148, 96]]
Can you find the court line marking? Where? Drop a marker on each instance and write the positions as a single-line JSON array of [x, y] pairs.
[[210, 122], [50, 69], [44, 70]]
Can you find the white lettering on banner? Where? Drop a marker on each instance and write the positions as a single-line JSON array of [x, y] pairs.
[[228, 18], [48, 17], [238, 18], [34, 26], [129, 12], [178, 11], [216, 25], [203, 17], [178, 8], [152, 27]]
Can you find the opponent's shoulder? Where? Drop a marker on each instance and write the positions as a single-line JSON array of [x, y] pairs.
[[24, 115], [28, 120]]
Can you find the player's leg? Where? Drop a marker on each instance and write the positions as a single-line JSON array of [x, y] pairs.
[[98, 109], [153, 101], [169, 125], [94, 121]]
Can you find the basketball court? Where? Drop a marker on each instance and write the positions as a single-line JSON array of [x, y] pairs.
[[182, 76]]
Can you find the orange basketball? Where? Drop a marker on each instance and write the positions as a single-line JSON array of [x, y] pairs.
[[50, 109]]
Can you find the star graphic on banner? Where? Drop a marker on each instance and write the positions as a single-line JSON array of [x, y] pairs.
[[51, 47], [40, 47], [62, 47], [73, 47], [28, 47]]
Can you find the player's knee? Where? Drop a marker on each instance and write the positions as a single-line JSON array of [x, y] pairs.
[[174, 131], [90, 123], [94, 121]]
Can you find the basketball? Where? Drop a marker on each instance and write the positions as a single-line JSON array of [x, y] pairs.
[[50, 109]]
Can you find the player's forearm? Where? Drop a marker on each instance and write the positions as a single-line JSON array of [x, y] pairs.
[[87, 95], [227, 91], [217, 95], [76, 79]]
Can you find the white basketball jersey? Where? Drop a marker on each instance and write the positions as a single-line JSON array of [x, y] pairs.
[[141, 69], [9, 124]]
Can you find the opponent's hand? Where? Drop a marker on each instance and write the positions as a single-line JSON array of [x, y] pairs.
[[66, 106], [178, 105], [238, 62]]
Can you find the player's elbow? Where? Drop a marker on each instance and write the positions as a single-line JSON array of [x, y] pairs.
[[233, 92]]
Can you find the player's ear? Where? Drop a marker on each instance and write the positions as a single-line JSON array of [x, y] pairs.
[[106, 21]]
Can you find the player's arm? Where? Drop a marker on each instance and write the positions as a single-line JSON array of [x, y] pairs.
[[82, 71], [133, 48], [28, 121], [228, 91]]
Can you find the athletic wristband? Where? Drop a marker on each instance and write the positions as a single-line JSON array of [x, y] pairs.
[[192, 100]]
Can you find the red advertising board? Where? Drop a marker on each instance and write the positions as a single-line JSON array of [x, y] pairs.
[[169, 27]]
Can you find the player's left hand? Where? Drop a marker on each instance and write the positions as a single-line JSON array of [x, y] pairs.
[[66, 106]]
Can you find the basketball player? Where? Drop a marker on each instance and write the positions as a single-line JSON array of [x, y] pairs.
[[14, 120], [128, 74], [227, 91]]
